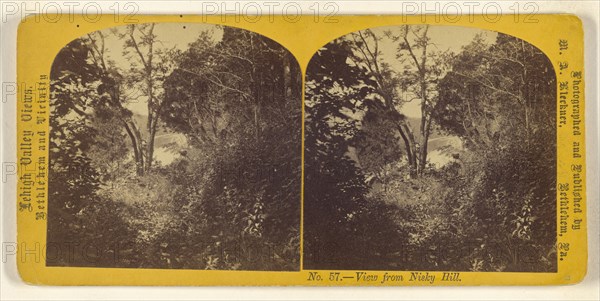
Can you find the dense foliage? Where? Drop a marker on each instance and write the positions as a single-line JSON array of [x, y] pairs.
[[231, 197], [490, 208], [228, 112]]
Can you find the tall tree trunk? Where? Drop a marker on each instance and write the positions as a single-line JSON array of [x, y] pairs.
[[409, 143], [424, 144], [414, 163], [150, 146], [152, 120], [425, 124], [136, 143], [153, 105]]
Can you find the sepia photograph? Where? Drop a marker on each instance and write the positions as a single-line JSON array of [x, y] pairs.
[[302, 150], [430, 148], [175, 146]]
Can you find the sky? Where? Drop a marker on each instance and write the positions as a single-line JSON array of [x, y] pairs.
[[170, 35], [180, 35], [443, 38]]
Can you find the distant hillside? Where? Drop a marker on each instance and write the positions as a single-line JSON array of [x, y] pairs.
[[415, 124], [163, 137], [141, 120]]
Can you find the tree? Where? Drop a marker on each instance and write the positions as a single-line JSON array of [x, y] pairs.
[[229, 200], [113, 94], [140, 43], [500, 100], [74, 179], [84, 150], [492, 204], [418, 79], [386, 99], [238, 103], [338, 213], [142, 82]]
